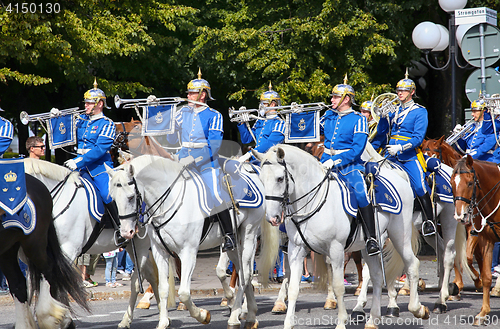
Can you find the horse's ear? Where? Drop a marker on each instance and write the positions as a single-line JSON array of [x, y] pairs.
[[280, 153], [469, 161], [131, 170], [440, 141], [258, 155]]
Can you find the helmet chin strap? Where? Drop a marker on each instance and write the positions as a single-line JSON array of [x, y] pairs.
[[341, 99]]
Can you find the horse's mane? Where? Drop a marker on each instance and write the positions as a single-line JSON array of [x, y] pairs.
[[47, 169], [272, 151]]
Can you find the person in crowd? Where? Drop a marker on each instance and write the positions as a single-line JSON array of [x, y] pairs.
[[35, 147]]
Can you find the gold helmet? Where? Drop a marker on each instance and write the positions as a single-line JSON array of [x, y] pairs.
[[406, 83], [198, 85], [478, 105], [270, 96], [343, 90], [95, 95]]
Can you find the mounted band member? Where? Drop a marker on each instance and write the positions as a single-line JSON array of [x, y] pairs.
[[480, 146], [407, 128], [268, 132], [201, 132], [492, 132], [95, 134], [346, 134], [377, 141]]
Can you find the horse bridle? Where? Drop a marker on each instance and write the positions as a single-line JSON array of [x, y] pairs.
[[284, 200], [138, 202]]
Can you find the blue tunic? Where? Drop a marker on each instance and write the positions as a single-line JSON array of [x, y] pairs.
[[477, 144], [201, 133], [6, 135], [95, 137], [408, 129], [346, 134], [490, 140], [268, 133]]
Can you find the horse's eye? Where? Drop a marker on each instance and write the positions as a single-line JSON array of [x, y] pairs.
[[131, 198], [469, 184], [280, 180]]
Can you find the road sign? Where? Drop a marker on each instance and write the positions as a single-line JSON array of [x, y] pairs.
[[471, 46], [475, 16], [473, 84]]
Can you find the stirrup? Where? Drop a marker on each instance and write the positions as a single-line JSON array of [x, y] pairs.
[[428, 228], [372, 247], [228, 244]]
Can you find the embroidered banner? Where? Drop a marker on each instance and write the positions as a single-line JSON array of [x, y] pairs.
[[25, 219], [158, 120], [12, 185], [61, 131], [302, 127]]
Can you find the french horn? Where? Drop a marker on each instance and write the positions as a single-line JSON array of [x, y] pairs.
[[383, 105]]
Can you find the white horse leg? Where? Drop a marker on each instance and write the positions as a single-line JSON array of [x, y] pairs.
[[279, 304], [358, 312], [296, 256], [331, 301], [162, 258], [221, 274], [377, 280], [51, 313], [24, 317], [337, 282]]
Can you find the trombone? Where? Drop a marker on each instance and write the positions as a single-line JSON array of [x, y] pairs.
[[235, 115], [26, 118]]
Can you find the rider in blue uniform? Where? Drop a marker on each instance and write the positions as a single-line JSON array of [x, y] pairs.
[[95, 134], [480, 146], [6, 134], [346, 134], [407, 129], [201, 133], [377, 141], [267, 132]]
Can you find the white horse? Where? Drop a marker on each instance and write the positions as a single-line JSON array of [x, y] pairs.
[[288, 172], [74, 226], [175, 226]]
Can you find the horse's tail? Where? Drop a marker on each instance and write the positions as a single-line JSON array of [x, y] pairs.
[[66, 279], [461, 248], [269, 246], [171, 283], [394, 263]]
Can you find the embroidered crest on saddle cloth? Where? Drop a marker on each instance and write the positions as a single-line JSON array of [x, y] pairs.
[[25, 219], [443, 185], [95, 203], [387, 196]]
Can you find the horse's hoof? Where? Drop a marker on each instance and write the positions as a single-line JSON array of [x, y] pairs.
[[479, 320], [392, 312], [495, 292], [207, 318], [358, 317], [404, 292], [357, 291], [143, 305], [243, 316], [439, 308], [455, 298], [421, 285], [427, 313], [123, 326], [330, 304], [233, 326], [252, 325], [279, 308], [453, 289], [223, 302], [370, 326], [181, 307]]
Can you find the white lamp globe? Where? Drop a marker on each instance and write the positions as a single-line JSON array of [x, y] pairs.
[[452, 5], [445, 37], [426, 35], [460, 32]]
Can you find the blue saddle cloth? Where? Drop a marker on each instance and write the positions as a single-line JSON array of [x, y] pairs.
[[387, 197], [95, 203], [443, 186], [245, 190], [13, 193], [25, 219]]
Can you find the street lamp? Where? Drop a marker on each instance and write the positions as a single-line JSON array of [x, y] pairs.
[[433, 38]]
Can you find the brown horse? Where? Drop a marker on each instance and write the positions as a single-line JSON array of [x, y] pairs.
[[476, 190], [449, 156]]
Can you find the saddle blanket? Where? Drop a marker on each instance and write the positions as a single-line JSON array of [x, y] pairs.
[[25, 219], [387, 197], [443, 185], [245, 191], [95, 203]]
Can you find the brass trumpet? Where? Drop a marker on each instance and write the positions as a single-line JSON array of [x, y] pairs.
[[26, 118], [150, 101], [466, 128], [235, 115]]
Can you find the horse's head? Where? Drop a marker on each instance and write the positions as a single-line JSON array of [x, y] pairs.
[[278, 183], [464, 184], [440, 149], [123, 189]]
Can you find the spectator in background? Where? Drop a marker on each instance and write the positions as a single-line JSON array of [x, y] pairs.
[[4, 288], [111, 265], [125, 264], [35, 147]]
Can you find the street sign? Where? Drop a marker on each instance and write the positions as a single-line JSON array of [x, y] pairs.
[[473, 84], [471, 46], [475, 16]]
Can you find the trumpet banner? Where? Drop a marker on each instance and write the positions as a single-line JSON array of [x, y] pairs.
[[61, 131], [158, 120], [302, 127]]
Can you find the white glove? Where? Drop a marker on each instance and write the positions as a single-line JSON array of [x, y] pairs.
[[186, 161], [71, 164], [330, 163], [244, 117], [55, 112], [394, 149], [457, 128], [245, 157], [151, 99], [496, 111]]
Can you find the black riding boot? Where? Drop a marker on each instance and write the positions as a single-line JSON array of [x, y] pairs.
[[368, 225], [112, 209], [428, 227], [227, 230]]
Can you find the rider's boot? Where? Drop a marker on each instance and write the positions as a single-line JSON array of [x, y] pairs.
[[227, 230], [368, 218], [112, 209], [428, 227]]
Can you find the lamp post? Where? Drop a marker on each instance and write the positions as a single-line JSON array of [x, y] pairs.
[[433, 38]]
